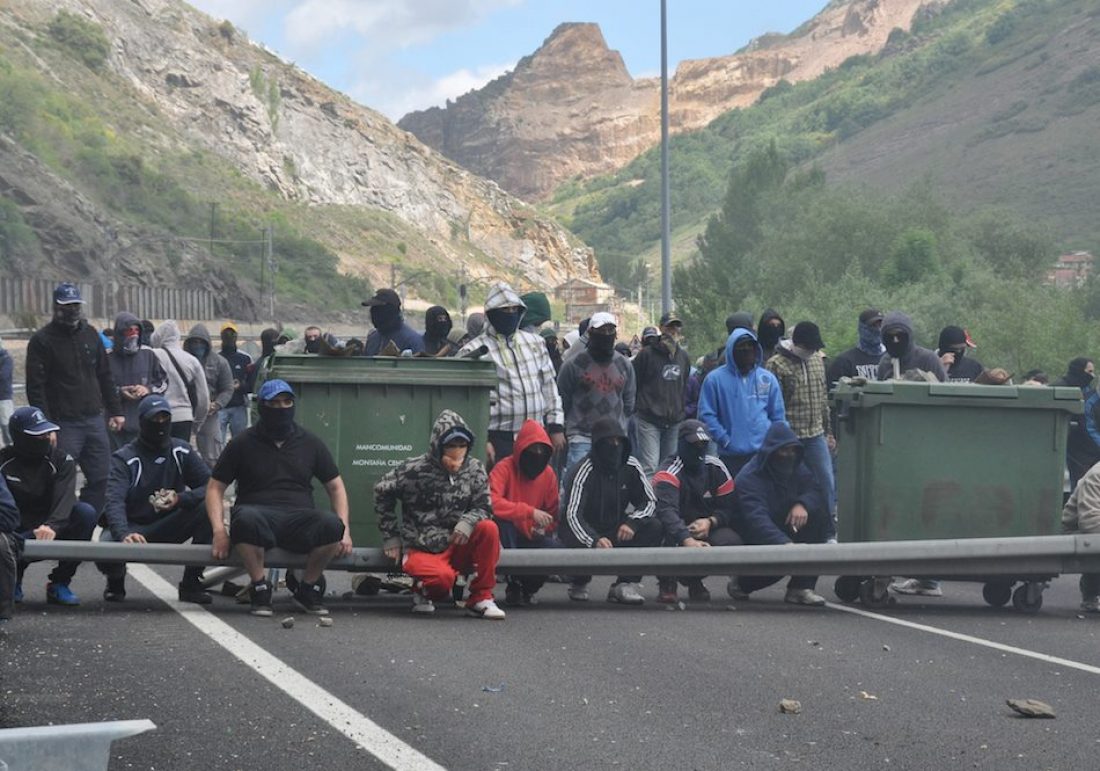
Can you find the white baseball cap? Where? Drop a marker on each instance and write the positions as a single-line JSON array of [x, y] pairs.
[[602, 319]]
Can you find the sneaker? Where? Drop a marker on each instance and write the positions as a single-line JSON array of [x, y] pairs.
[[194, 593], [917, 586], [578, 592], [18, 596], [514, 595], [486, 609], [803, 597], [310, 598], [667, 592], [115, 591], [697, 592], [259, 596], [626, 593], [1091, 604], [61, 594], [422, 603], [734, 590]]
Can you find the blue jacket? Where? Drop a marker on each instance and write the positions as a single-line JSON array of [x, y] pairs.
[[764, 500], [137, 471], [405, 338], [738, 409], [6, 367]]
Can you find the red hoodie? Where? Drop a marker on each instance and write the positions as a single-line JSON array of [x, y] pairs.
[[515, 497]]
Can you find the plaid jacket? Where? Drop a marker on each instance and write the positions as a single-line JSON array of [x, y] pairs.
[[805, 394], [527, 388]]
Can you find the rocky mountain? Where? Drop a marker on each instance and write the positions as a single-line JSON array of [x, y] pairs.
[[186, 104], [572, 110]]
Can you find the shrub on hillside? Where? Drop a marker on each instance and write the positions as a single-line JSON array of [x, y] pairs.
[[82, 38]]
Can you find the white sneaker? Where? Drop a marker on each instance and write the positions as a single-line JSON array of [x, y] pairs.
[[486, 609], [625, 593], [804, 597], [422, 604], [924, 588]]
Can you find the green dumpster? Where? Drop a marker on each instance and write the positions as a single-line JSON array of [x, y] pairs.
[[374, 412], [945, 460]]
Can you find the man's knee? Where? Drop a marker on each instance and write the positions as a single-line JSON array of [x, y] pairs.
[[82, 521], [248, 526], [486, 528], [329, 530]]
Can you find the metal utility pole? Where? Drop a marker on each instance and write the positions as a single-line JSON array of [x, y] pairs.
[[666, 240], [213, 220], [269, 254]]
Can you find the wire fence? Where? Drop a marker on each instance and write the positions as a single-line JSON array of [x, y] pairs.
[[35, 295]]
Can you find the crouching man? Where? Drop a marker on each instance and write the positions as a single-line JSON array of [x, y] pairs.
[[524, 492], [155, 494], [42, 481], [779, 502], [445, 528], [609, 504], [1082, 515], [695, 503], [274, 463]]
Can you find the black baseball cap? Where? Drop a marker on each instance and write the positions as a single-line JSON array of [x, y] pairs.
[[694, 431], [384, 297], [671, 318]]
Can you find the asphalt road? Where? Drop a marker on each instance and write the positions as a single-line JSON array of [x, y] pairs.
[[568, 685]]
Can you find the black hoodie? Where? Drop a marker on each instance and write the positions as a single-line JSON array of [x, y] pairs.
[[914, 356], [435, 333], [765, 337], [598, 501]]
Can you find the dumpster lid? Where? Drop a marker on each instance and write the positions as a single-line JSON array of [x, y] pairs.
[[900, 392]]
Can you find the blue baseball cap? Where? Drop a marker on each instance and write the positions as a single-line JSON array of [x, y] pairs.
[[153, 404], [67, 294], [273, 388], [30, 421]]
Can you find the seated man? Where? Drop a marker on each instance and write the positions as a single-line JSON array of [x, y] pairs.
[[273, 464], [780, 502], [524, 492], [608, 504], [10, 546], [1082, 515], [155, 494], [445, 528], [695, 503], [42, 480]]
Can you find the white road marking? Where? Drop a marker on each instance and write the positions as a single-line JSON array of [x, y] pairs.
[[968, 638], [360, 729]]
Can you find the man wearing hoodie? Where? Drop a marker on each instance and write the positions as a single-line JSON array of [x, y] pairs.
[[274, 464], [598, 382], [902, 353], [779, 502], [234, 416], [156, 494], [1083, 442], [445, 528], [538, 311], [1082, 515], [7, 403], [662, 371], [740, 400], [526, 388], [389, 325], [69, 379], [437, 327], [863, 360], [800, 369], [770, 331], [219, 382], [187, 392], [952, 350], [136, 372], [609, 504], [524, 492]]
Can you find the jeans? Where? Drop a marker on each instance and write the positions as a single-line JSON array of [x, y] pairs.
[[512, 538], [7, 407], [815, 452], [579, 446], [82, 522], [86, 440], [175, 526], [654, 444], [208, 439], [235, 419]]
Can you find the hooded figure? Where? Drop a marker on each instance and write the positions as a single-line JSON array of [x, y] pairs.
[[862, 360], [739, 320], [444, 528], [897, 337], [219, 381], [740, 400], [187, 392], [963, 368], [538, 310], [779, 502], [770, 331], [389, 325], [437, 328], [137, 372], [475, 324]]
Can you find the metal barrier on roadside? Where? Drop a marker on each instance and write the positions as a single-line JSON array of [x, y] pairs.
[[76, 747]]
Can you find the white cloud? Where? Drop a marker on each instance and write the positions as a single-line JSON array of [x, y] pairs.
[[396, 93]]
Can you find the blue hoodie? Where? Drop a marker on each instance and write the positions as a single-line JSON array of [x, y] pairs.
[[738, 409]]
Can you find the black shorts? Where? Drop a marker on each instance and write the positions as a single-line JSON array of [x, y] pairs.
[[296, 530]]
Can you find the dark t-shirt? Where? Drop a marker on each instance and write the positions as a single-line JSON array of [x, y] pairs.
[[268, 475]]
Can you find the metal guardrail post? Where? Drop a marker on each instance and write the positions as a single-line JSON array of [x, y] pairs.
[[76, 747]]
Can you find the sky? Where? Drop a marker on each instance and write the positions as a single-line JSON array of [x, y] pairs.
[[396, 56]]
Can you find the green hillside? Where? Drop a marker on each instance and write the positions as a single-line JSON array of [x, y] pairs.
[[990, 102]]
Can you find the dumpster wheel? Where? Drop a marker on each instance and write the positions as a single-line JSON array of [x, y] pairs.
[[997, 593], [1028, 597], [846, 588], [875, 592]]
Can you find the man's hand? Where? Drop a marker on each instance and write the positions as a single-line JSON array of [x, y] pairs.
[[393, 553], [44, 533], [797, 517], [557, 439], [345, 544], [116, 422], [692, 542], [830, 441], [490, 454], [542, 519], [626, 532], [458, 538], [171, 501], [134, 538], [947, 360], [604, 543], [219, 547], [700, 528]]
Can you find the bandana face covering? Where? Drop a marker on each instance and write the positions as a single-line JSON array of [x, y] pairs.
[[277, 422], [534, 460]]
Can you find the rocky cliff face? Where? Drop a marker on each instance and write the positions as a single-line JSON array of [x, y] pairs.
[[571, 109], [213, 91]]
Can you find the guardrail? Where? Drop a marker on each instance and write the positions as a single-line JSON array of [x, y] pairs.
[[1046, 555], [76, 747]]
